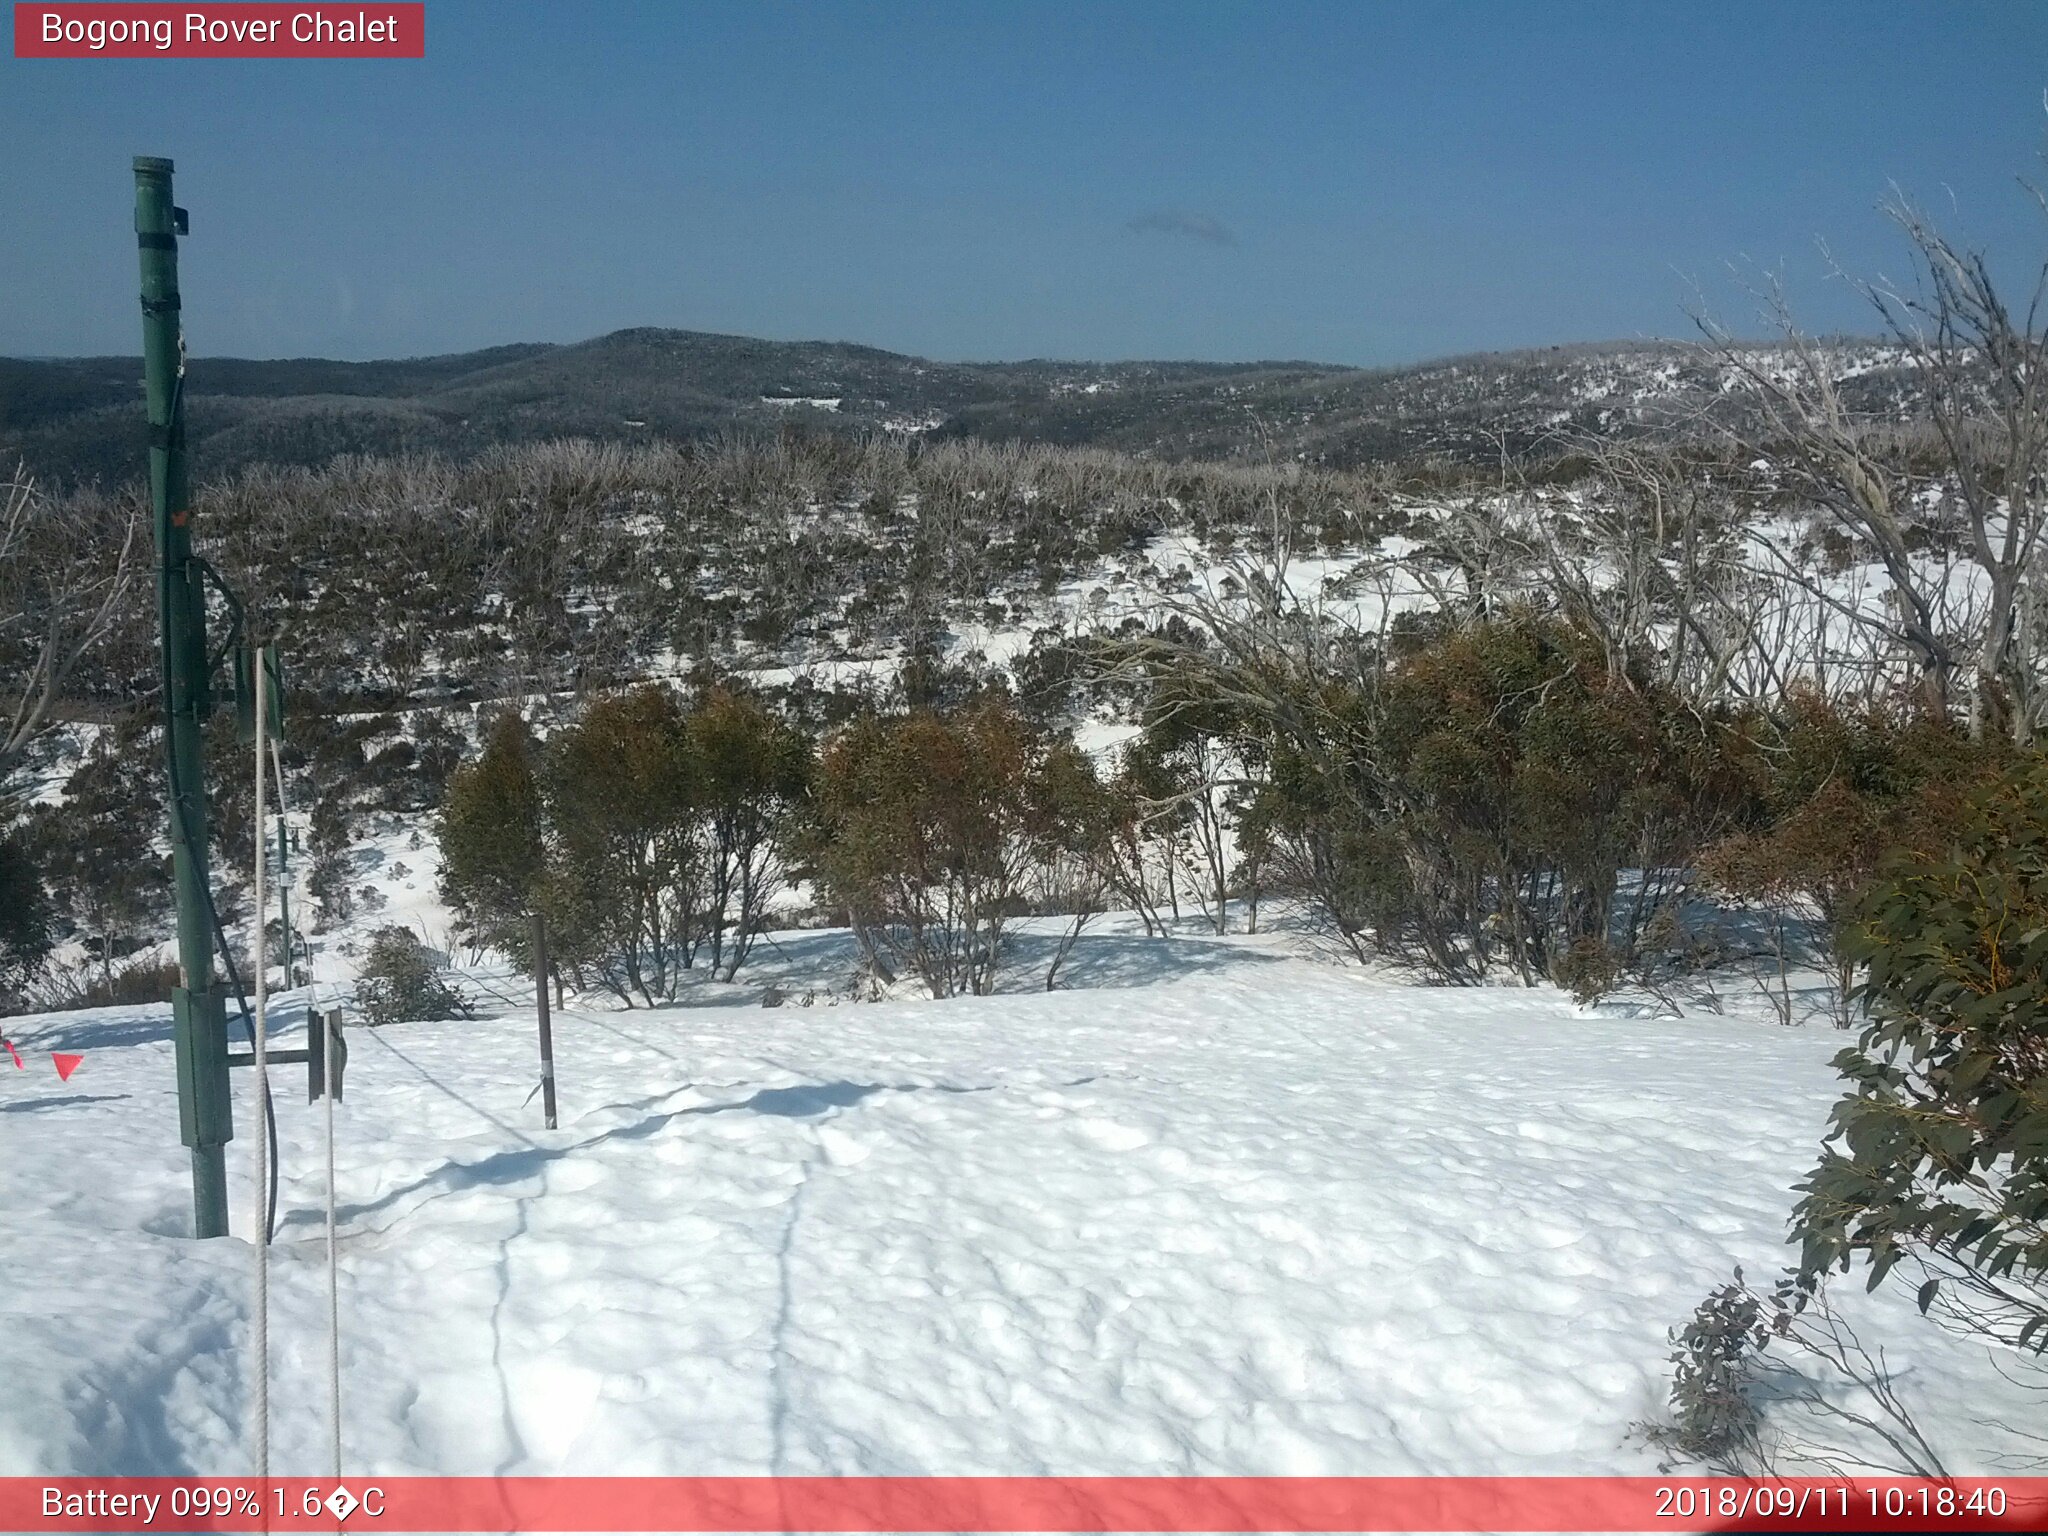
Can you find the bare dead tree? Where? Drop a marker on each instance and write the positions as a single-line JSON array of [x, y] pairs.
[[1661, 530], [1252, 648], [1822, 452], [1856, 1416], [66, 568], [1984, 369], [1980, 383]]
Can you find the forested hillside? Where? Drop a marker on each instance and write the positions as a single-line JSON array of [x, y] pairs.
[[75, 420]]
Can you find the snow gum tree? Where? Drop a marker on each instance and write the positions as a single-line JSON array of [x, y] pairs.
[[1838, 789], [492, 857], [328, 841], [928, 831], [1938, 1158], [1475, 808], [753, 777], [622, 789], [1077, 824], [67, 567], [645, 831], [1197, 758]]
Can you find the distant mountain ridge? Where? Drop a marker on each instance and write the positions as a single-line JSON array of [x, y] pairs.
[[81, 418]]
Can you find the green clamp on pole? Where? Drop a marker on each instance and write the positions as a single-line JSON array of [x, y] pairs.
[[199, 1023], [324, 1034], [252, 662], [243, 685]]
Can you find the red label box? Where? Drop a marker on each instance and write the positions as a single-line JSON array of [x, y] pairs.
[[364, 29]]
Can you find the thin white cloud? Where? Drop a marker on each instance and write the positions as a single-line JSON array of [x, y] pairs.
[[1196, 226]]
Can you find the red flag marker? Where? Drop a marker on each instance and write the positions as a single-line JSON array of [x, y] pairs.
[[15, 1054], [66, 1065]]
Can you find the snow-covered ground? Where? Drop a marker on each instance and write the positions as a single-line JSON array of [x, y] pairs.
[[1217, 1208]]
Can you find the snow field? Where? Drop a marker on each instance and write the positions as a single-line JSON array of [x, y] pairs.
[[1251, 1214]]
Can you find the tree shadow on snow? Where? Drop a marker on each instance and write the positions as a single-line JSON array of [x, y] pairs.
[[60, 1101], [90, 1029], [1110, 961], [796, 962], [805, 1101], [517, 1164]]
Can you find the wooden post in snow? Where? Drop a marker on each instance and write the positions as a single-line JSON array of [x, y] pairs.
[[547, 1039]]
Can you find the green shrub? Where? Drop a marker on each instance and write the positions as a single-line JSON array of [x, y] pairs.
[[627, 873], [752, 773], [1940, 1153], [1714, 1413], [93, 986], [931, 831], [1474, 811], [1839, 789], [645, 832], [25, 918], [490, 836], [400, 981]]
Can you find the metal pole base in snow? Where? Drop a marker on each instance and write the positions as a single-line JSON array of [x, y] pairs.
[[209, 1191], [547, 1039]]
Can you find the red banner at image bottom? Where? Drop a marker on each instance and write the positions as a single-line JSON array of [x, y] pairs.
[[989, 1504], [246, 29]]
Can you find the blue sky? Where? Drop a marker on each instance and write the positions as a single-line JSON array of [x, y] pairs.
[[1354, 183]]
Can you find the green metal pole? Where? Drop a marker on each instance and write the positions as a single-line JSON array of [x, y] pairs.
[[199, 1006]]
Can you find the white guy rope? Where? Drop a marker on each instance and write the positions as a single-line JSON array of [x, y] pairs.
[[326, 1049], [333, 1268], [259, 1364]]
